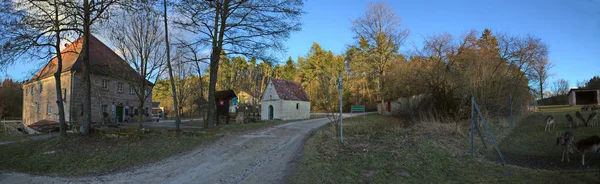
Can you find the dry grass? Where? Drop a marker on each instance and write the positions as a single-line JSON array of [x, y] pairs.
[[382, 149]]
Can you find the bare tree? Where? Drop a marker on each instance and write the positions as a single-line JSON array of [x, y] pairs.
[[242, 27], [138, 37], [540, 72], [560, 87], [38, 28], [382, 28], [183, 80], [170, 68], [199, 64], [87, 13]]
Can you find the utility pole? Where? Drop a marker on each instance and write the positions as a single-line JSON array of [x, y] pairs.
[[341, 117]]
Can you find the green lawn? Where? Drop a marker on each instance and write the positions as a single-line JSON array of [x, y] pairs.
[[78, 155], [384, 149], [4, 137], [529, 145]]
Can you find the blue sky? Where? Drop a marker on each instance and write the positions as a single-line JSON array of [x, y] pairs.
[[571, 28]]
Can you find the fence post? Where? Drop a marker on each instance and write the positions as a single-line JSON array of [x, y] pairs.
[[472, 128], [488, 130], [511, 111]]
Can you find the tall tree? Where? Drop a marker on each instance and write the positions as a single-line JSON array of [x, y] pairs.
[[382, 28], [138, 37], [560, 87], [239, 27], [36, 27], [170, 68], [199, 62], [11, 98], [540, 73], [89, 12], [289, 70], [594, 82]]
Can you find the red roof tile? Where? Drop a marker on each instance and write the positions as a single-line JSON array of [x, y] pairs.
[[288, 90], [103, 61]]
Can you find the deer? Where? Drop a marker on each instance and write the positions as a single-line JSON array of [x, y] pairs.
[[589, 144], [592, 119], [566, 140], [570, 122], [580, 118], [549, 123]]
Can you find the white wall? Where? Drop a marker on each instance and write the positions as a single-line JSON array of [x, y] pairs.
[[572, 98], [289, 110], [283, 110]]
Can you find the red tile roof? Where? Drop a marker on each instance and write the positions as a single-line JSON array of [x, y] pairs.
[[103, 61], [288, 90]]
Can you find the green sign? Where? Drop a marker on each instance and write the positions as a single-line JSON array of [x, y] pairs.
[[357, 108]]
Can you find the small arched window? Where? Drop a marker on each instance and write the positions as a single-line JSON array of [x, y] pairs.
[[297, 105]]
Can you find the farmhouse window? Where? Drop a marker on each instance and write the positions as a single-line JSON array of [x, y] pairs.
[[131, 90], [105, 84], [41, 88], [31, 90], [48, 109], [120, 87], [104, 108], [26, 91], [39, 109], [297, 105]]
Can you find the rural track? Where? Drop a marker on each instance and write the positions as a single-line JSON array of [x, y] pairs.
[[261, 156]]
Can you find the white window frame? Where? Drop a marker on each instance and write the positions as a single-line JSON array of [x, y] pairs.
[[131, 90], [105, 84], [120, 87]]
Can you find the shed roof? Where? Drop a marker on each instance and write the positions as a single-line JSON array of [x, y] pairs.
[[288, 90], [582, 89], [226, 94]]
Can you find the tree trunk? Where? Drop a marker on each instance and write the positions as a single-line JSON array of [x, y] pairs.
[[214, 67], [175, 105], [87, 89], [59, 99], [381, 97], [541, 90], [140, 114]]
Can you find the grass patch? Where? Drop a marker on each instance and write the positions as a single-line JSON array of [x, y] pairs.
[[384, 149], [529, 145], [79, 155], [8, 137]]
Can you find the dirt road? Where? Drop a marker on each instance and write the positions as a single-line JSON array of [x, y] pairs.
[[263, 156]]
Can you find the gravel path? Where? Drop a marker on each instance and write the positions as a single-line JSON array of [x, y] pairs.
[[262, 156]]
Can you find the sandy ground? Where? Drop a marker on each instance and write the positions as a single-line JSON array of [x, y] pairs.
[[262, 156]]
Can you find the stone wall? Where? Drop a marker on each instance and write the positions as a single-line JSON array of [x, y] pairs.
[[44, 98], [111, 98]]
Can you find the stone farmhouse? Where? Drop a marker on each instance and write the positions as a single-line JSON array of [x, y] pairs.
[[112, 92], [285, 100]]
